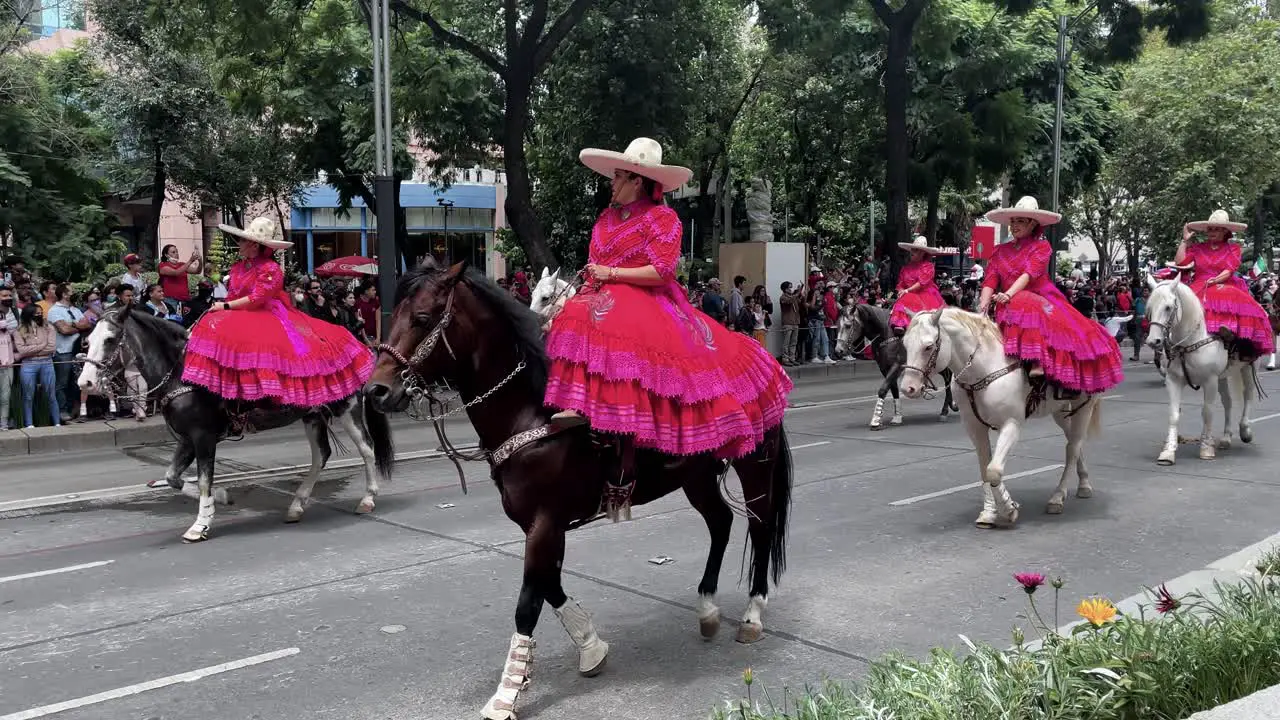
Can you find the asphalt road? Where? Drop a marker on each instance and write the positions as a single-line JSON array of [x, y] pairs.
[[406, 613]]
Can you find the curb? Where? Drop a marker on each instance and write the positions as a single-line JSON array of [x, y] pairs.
[[842, 370], [90, 435]]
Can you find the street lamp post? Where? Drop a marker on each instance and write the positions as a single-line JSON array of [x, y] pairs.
[[448, 249], [1064, 56], [384, 186]]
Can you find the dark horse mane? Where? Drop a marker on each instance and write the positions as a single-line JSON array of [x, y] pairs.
[[520, 324], [165, 341], [875, 319]]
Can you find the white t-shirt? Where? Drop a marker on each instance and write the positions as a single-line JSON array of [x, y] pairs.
[[976, 272], [1115, 323], [138, 282]]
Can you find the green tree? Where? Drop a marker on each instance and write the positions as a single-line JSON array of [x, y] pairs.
[[50, 193], [1200, 128]]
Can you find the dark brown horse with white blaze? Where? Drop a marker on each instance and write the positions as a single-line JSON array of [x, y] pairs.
[[454, 324]]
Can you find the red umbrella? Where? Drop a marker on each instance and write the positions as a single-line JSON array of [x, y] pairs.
[[349, 266]]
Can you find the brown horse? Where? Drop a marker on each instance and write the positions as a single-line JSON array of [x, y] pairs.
[[454, 324]]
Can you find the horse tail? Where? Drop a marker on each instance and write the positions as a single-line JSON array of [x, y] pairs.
[[780, 505], [1095, 420], [379, 429]]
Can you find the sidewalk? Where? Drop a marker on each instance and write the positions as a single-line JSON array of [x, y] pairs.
[[127, 432]]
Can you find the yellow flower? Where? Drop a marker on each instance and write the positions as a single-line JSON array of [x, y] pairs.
[[1096, 611]]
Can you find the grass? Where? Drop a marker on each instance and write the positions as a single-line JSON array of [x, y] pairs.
[[1268, 564], [1193, 656]]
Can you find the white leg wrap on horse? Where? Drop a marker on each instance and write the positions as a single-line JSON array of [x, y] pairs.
[[708, 616], [199, 530], [877, 413], [897, 412], [592, 651], [988, 515], [1006, 508], [755, 610], [515, 678]]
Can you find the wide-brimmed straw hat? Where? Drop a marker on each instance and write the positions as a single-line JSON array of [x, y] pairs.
[[642, 157], [262, 231], [1218, 219], [1027, 207], [921, 243]]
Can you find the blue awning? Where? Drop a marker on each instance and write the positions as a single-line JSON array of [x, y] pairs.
[[479, 197]]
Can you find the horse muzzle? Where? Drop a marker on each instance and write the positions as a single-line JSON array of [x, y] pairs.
[[385, 398]]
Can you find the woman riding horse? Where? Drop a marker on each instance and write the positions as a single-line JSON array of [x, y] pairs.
[[1039, 325], [1229, 309], [256, 346], [631, 356], [917, 290]]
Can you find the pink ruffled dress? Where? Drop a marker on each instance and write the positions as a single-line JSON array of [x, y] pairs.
[[1229, 304], [928, 297], [642, 361], [1040, 325]]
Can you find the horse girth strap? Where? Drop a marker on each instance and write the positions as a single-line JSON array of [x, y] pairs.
[[971, 391], [1180, 354]]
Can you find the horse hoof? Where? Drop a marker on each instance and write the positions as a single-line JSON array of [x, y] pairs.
[[365, 507], [1208, 453], [709, 626], [194, 536], [1084, 492], [1246, 435], [749, 632], [984, 525], [1224, 444], [876, 426], [896, 421], [291, 518], [1053, 508], [1166, 458], [588, 666]]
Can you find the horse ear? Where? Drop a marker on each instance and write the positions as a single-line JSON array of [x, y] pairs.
[[555, 276], [1177, 278], [1152, 282], [546, 272], [455, 271]]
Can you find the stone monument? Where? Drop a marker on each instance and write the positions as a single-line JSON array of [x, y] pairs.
[[759, 204]]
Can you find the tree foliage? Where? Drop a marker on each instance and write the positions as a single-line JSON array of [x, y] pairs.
[[50, 192], [1200, 128]]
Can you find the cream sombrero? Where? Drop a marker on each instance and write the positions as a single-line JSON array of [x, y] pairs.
[[642, 157], [262, 231], [922, 244], [1027, 207], [1218, 219]]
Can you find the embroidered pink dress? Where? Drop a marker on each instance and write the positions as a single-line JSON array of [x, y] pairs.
[[642, 361], [927, 297], [271, 349], [1040, 325], [1228, 304]]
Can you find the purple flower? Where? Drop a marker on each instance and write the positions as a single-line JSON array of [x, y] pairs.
[[1166, 602], [1029, 581]]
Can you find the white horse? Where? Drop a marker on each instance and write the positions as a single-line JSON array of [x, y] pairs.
[[550, 294], [1197, 360], [993, 392]]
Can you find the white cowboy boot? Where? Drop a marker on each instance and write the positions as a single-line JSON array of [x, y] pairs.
[[592, 651], [515, 678]]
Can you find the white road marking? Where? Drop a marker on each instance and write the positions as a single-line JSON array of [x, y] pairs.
[[959, 488], [1272, 416], [156, 684], [223, 479], [55, 571], [809, 445]]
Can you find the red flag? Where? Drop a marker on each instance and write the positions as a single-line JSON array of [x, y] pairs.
[[982, 242]]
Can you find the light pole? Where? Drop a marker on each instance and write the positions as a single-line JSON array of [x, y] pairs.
[[447, 205], [1064, 56], [384, 184]]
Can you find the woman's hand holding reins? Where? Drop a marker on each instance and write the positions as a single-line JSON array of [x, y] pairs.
[[600, 273]]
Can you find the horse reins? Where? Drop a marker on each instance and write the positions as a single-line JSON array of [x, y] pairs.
[[1173, 351], [110, 383], [419, 391]]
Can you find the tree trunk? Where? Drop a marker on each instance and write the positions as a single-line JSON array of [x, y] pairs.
[[519, 204], [931, 221], [897, 88], [150, 247]]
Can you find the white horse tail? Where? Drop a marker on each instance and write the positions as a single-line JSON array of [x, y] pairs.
[[1095, 421]]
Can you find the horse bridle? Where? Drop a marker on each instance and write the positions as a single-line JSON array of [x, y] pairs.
[[1175, 351], [109, 375], [418, 388], [931, 365]]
